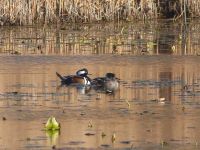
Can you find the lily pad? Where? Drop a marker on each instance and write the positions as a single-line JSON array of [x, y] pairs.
[[52, 124]]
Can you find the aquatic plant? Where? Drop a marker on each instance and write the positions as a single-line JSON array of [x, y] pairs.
[[22, 12], [52, 124]]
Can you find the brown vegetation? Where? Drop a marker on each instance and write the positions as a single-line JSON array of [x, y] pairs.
[[27, 12]]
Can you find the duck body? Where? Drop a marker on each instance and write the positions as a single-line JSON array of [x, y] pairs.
[[80, 78], [108, 84]]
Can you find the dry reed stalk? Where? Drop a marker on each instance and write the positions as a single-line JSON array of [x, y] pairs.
[[50, 11]]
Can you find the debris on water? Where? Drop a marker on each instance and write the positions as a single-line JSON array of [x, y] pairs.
[[105, 145], [113, 138], [82, 113], [89, 134], [54, 147], [90, 125], [52, 124], [148, 130], [16, 52], [183, 108], [4, 118], [125, 142], [76, 142], [28, 138], [145, 111], [162, 99], [14, 92], [129, 105], [164, 143], [103, 134]]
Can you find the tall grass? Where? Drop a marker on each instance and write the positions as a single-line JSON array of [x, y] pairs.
[[26, 12]]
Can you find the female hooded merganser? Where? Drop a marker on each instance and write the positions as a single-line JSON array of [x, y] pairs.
[[80, 78], [109, 83]]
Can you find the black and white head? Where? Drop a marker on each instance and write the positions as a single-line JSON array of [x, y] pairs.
[[82, 72]]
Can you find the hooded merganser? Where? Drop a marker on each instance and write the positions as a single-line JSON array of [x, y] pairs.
[[82, 72], [109, 83], [80, 78]]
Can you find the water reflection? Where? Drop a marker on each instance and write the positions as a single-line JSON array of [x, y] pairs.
[[165, 92], [163, 37], [53, 136]]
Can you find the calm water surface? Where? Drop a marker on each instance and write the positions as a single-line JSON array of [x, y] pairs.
[[30, 92]]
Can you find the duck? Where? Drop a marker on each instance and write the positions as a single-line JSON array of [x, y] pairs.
[[80, 78], [82, 72], [108, 84]]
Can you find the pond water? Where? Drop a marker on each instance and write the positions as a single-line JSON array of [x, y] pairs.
[[154, 61]]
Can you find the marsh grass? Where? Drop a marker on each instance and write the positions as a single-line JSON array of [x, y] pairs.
[[28, 12]]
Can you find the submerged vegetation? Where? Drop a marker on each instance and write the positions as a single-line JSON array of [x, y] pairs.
[[28, 12]]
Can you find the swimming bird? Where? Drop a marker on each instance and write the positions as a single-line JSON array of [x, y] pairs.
[[80, 78], [108, 84], [82, 72]]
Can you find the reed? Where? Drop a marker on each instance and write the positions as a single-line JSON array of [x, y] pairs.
[[28, 12]]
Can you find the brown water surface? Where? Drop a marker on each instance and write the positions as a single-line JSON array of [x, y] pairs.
[[30, 93]]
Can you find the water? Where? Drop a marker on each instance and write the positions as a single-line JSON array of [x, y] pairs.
[[30, 91]]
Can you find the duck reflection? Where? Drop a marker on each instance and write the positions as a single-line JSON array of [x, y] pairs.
[[81, 89]]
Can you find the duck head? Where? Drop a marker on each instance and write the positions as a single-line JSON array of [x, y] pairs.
[[82, 72]]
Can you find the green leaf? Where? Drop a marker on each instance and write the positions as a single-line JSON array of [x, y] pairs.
[[52, 124]]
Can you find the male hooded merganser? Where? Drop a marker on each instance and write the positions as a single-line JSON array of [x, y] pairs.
[[109, 83], [80, 78]]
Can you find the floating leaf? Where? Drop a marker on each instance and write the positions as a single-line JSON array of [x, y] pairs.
[[52, 124]]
